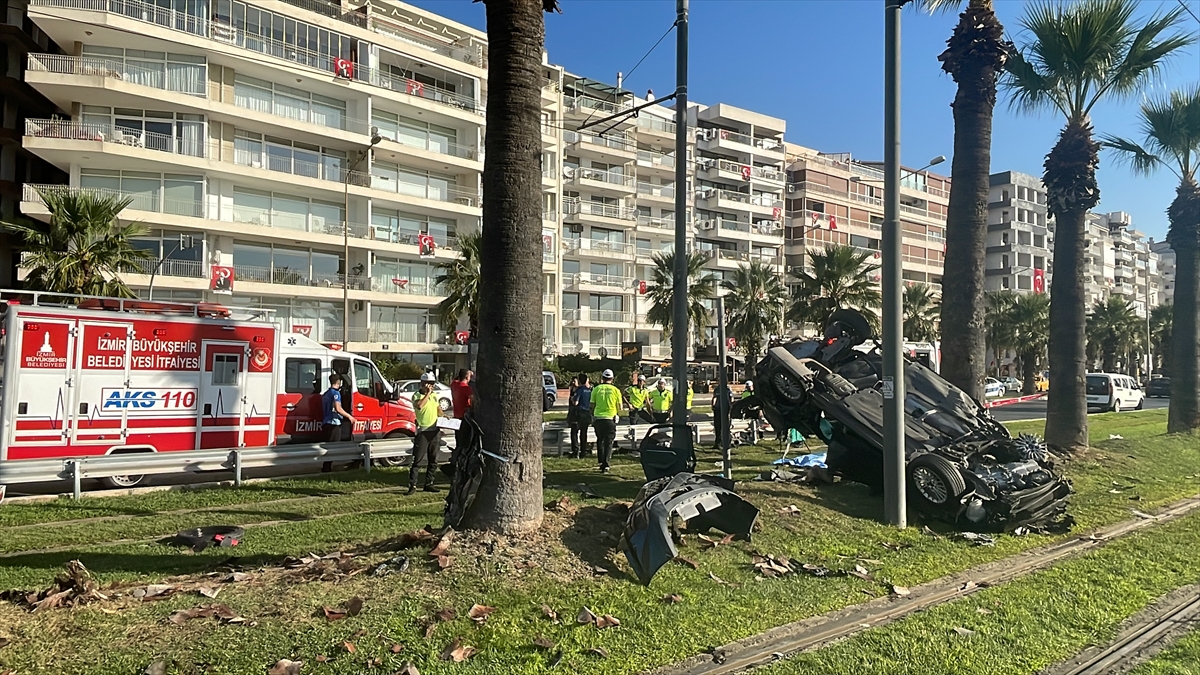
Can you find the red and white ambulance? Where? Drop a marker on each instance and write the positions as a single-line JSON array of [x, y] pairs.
[[114, 376]]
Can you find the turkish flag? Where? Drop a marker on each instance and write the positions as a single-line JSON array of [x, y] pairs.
[[1039, 281], [776, 213], [833, 222], [425, 245], [344, 68], [746, 173], [415, 88], [642, 287]]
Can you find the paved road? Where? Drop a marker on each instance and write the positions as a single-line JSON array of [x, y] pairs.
[[1037, 409]]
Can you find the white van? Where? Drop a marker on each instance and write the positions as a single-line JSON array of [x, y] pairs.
[[1107, 391]]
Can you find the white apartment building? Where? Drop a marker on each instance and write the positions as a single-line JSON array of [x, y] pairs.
[[1020, 237], [1166, 270], [835, 199], [1121, 263]]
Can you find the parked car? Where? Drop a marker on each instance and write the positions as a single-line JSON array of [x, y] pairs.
[[993, 388], [549, 390], [409, 387], [1011, 383], [1109, 391], [1159, 387], [962, 465]]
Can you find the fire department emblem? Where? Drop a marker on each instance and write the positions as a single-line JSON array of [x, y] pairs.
[[261, 358]]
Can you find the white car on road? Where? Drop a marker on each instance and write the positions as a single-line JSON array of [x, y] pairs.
[[409, 387], [1109, 391], [993, 388]]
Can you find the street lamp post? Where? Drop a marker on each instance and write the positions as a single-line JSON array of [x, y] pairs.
[[375, 139], [679, 337], [185, 242]]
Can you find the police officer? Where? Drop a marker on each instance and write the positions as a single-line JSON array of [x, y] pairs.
[[660, 402], [636, 397], [605, 404], [425, 444]]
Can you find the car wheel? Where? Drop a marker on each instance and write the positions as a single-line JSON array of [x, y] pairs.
[[393, 461], [444, 404], [1116, 406], [788, 386], [1141, 403], [121, 482], [547, 402], [935, 480]]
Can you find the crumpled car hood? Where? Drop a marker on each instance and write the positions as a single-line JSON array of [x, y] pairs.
[[702, 501]]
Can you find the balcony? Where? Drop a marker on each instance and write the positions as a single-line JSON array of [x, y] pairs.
[[604, 146], [655, 223], [474, 53], [435, 145], [178, 80], [600, 180], [598, 248], [592, 316], [654, 126], [655, 192], [438, 193], [190, 269], [606, 214], [741, 201], [737, 142], [606, 282], [403, 286], [154, 202], [587, 105], [656, 163], [289, 277], [1122, 288], [104, 133]]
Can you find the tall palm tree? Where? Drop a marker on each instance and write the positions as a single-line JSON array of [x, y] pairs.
[[1028, 320], [920, 313], [509, 411], [841, 277], [975, 56], [1171, 127], [754, 308], [999, 330], [1114, 329], [84, 246], [700, 288], [459, 280], [1078, 54], [1161, 332]]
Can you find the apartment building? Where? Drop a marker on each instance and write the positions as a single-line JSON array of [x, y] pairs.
[[836, 199], [1120, 262], [1165, 280], [1020, 236], [304, 146]]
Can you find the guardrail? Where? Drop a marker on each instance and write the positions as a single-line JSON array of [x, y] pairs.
[[237, 460]]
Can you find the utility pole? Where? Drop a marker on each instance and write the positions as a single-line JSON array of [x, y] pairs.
[[721, 400], [375, 139], [893, 315], [679, 336]]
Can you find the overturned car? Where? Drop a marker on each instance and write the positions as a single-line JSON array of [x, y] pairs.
[[962, 465]]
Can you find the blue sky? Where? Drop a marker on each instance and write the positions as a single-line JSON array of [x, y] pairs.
[[819, 65]]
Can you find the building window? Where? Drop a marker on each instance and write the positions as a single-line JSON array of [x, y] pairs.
[[273, 209], [417, 134], [289, 102], [177, 194], [182, 73], [280, 154], [180, 133]]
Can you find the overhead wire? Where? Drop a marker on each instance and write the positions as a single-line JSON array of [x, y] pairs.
[[640, 61]]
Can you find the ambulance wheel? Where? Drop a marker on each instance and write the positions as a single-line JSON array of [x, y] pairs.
[[121, 482]]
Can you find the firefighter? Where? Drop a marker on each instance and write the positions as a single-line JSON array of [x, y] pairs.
[[425, 444], [660, 402]]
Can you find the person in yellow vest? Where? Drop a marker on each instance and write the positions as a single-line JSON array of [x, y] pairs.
[[637, 398], [660, 402], [606, 409], [690, 394], [748, 390], [425, 444]]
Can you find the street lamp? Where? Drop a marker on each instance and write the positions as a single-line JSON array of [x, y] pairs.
[[932, 163], [186, 242], [375, 139]]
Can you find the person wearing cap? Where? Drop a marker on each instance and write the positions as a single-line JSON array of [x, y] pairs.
[[583, 417], [606, 409], [748, 390], [687, 388], [636, 396], [660, 402], [425, 444]]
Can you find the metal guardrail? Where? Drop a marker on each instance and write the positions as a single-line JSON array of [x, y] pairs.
[[16, 472]]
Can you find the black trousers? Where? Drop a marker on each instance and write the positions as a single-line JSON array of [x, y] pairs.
[[606, 433], [662, 417], [425, 446], [640, 416], [579, 429]]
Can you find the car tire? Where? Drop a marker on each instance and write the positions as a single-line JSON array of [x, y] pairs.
[[444, 404], [393, 461], [1116, 406], [122, 482], [1141, 403], [935, 481], [547, 402]]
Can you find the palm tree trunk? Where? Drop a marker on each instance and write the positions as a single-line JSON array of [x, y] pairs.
[[1028, 370], [510, 318], [1071, 191], [975, 57], [1184, 237]]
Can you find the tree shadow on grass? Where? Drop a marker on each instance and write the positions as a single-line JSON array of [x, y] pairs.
[[136, 565], [584, 537], [849, 499]]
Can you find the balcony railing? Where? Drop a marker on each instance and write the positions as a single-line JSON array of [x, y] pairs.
[[603, 176], [405, 286], [387, 80], [614, 142], [192, 269], [589, 104], [155, 202], [331, 10], [452, 194], [79, 131], [742, 198], [608, 280], [606, 315], [474, 53], [578, 207], [652, 123], [300, 222], [436, 145], [735, 256], [290, 277], [599, 246], [651, 158], [651, 190], [656, 223], [188, 79]]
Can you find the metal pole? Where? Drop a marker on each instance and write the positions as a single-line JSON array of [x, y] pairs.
[[346, 259], [1149, 344], [893, 318], [157, 267], [721, 409], [679, 336]]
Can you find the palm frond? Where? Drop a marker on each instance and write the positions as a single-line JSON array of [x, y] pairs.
[[1146, 53], [1139, 159], [939, 6]]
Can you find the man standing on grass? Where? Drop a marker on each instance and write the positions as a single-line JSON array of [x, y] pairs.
[[583, 417], [425, 445], [606, 409], [460, 397], [660, 402], [636, 396]]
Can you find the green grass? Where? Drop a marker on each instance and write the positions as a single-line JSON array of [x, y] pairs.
[[1031, 623], [1181, 658], [837, 527]]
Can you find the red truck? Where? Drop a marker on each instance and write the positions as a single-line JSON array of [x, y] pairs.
[[106, 376]]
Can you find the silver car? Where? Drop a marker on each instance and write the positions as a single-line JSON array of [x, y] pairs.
[[407, 388]]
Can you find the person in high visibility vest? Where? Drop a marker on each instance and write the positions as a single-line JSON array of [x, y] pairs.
[[425, 443], [660, 402], [605, 402], [748, 390], [637, 397], [690, 394]]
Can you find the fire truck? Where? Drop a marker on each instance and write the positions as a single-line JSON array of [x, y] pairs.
[[104, 375]]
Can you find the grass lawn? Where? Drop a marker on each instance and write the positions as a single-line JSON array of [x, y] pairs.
[[1181, 658], [351, 511], [1029, 624]]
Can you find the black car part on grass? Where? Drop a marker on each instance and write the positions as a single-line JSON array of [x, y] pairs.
[[702, 502], [962, 465], [466, 473], [659, 458], [200, 538]]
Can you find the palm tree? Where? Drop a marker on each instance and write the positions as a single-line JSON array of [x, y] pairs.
[[459, 280], [1028, 319], [509, 410], [83, 248], [1171, 127], [700, 287], [1161, 330], [999, 330], [920, 313], [1077, 55], [754, 308], [1114, 329], [841, 277], [975, 56]]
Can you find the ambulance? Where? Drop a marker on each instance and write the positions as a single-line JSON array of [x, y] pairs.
[[104, 376]]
